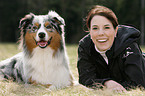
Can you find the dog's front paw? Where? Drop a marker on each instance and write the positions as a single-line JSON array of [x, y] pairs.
[[52, 87]]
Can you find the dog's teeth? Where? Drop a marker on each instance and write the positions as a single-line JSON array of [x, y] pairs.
[[42, 44]]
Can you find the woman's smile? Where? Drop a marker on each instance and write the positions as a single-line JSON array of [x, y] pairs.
[[102, 40]]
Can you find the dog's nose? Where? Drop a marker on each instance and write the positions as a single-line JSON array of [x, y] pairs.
[[41, 35]]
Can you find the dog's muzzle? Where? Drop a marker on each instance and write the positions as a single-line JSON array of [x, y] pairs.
[[43, 43]]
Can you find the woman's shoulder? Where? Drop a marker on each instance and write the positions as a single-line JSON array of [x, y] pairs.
[[85, 41], [128, 31], [126, 35]]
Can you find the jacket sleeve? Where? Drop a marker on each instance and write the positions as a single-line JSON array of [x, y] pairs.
[[87, 70], [134, 67]]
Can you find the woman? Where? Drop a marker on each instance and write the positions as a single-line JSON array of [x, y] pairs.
[[110, 56]]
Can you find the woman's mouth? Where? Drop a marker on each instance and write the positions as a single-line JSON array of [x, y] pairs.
[[102, 40]]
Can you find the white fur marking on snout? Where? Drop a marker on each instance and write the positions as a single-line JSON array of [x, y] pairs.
[[41, 19]]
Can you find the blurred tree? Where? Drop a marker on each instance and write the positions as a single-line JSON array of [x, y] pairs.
[[74, 13], [8, 20]]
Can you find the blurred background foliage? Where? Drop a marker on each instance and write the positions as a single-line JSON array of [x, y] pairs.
[[73, 11]]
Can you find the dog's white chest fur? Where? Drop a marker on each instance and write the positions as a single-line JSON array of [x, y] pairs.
[[45, 68]]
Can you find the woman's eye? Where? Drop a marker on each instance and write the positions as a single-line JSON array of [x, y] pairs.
[[107, 27], [95, 28]]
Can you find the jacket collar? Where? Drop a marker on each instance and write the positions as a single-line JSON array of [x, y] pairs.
[[109, 53]]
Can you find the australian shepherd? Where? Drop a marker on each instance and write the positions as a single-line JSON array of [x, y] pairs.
[[43, 60]]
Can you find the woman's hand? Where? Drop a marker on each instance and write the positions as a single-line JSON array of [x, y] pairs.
[[110, 84]]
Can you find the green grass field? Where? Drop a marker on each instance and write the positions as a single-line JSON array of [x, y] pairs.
[[8, 88]]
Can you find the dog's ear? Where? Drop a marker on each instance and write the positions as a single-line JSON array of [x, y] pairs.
[[24, 22], [56, 18], [59, 21]]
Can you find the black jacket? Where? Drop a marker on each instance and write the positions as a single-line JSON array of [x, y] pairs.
[[126, 64]]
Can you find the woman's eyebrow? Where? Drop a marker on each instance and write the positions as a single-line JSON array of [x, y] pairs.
[[107, 25], [94, 25]]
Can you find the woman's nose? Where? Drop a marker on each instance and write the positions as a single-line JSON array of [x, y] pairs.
[[101, 32]]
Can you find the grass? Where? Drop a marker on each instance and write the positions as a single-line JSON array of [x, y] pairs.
[[9, 88]]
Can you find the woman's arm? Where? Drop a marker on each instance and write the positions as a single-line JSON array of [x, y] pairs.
[[134, 67], [87, 70]]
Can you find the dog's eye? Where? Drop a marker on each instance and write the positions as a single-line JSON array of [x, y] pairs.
[[29, 26], [48, 27], [34, 28]]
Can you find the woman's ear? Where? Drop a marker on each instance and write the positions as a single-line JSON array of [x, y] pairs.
[[116, 31]]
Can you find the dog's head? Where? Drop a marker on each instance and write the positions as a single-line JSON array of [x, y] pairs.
[[42, 31]]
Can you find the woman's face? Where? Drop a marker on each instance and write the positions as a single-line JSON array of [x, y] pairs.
[[102, 32]]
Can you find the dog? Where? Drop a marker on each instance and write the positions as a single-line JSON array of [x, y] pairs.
[[43, 59]]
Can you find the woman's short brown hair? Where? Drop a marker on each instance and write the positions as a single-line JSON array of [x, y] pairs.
[[102, 11]]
